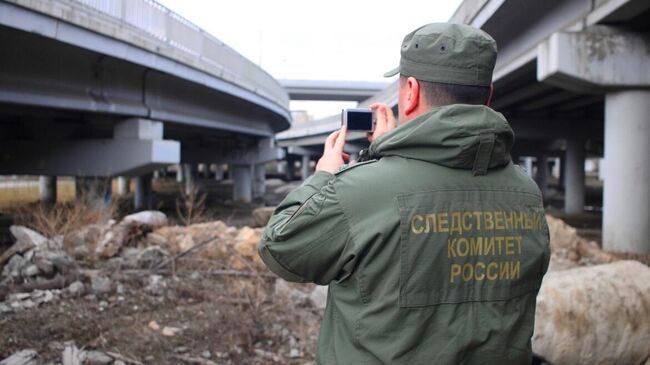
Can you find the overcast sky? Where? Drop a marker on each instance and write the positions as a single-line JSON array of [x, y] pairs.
[[318, 40]]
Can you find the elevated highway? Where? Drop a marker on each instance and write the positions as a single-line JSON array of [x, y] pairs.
[[572, 78], [331, 90], [121, 88]]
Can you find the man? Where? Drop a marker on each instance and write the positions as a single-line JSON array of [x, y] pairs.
[[435, 247]]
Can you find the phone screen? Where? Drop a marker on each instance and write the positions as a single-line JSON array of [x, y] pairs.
[[359, 120]]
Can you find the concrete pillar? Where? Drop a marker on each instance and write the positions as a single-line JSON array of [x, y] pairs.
[[122, 185], [291, 166], [218, 172], [93, 188], [528, 165], [574, 197], [304, 167], [179, 173], [259, 180], [190, 177], [626, 196], [47, 187], [242, 177], [281, 167], [143, 197], [562, 179], [542, 173]]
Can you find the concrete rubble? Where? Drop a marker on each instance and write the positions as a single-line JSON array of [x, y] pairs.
[[591, 308], [595, 315], [24, 357]]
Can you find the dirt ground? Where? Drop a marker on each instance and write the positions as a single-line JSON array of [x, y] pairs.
[[221, 318]]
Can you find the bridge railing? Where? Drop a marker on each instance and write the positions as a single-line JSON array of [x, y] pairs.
[[177, 32]]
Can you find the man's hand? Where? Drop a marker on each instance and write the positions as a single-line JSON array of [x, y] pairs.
[[385, 120], [333, 155]]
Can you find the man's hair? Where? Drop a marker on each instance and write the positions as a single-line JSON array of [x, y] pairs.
[[439, 94]]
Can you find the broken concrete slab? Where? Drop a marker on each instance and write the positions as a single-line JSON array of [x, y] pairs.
[[24, 357], [594, 315], [152, 218]]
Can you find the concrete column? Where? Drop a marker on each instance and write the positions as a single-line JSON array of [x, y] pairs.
[[122, 185], [259, 180], [93, 188], [290, 168], [542, 173], [190, 177], [242, 177], [626, 196], [574, 197], [281, 167], [143, 197], [47, 187], [304, 167], [562, 178], [179, 173], [218, 172], [528, 165]]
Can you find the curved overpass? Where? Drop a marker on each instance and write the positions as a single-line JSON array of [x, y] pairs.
[[90, 88]]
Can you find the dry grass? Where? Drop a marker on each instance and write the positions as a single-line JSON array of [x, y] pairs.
[[190, 207], [63, 218], [29, 193]]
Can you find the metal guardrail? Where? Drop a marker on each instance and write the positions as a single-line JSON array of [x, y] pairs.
[[181, 34]]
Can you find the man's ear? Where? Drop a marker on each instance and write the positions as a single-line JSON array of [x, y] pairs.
[[412, 96], [489, 99]]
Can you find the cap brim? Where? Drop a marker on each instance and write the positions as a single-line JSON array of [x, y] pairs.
[[392, 72]]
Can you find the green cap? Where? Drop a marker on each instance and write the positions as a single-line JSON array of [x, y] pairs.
[[448, 53]]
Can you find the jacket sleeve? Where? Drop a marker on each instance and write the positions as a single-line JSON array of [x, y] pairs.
[[308, 237]]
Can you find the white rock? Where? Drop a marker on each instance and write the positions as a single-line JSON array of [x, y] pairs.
[[318, 297], [14, 266], [156, 285], [101, 285], [170, 331], [25, 234], [147, 217], [97, 358], [294, 353], [76, 288], [594, 315], [72, 355], [30, 270], [24, 357]]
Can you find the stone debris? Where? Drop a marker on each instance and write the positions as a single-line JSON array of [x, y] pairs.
[[594, 315], [262, 215], [21, 301], [97, 358], [76, 289], [150, 218], [32, 258], [590, 310], [156, 285], [170, 331], [154, 326], [24, 357], [30, 237], [569, 250], [101, 285], [218, 242]]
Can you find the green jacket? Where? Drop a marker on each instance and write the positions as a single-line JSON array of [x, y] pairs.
[[433, 251]]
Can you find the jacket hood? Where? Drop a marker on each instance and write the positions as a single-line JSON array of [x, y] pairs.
[[458, 136]]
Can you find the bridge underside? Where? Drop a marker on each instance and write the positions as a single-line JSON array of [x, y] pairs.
[[64, 96]]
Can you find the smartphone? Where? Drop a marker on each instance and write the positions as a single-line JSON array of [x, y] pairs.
[[358, 119]]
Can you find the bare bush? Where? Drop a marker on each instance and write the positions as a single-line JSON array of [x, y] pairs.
[[63, 218], [190, 207]]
